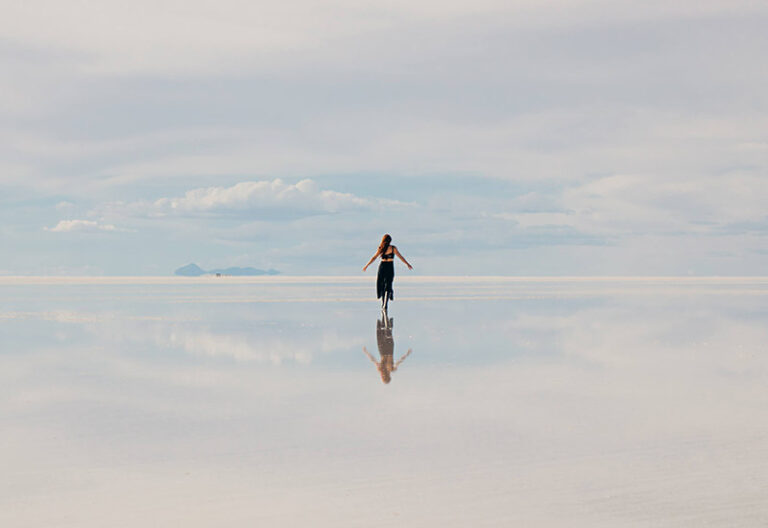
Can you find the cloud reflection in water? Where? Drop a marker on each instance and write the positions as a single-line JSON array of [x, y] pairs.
[[599, 409]]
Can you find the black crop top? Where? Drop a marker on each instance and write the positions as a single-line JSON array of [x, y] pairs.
[[388, 256]]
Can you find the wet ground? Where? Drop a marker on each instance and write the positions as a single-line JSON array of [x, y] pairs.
[[294, 402]]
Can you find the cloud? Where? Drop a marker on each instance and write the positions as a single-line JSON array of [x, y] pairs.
[[607, 122], [88, 226], [259, 194], [648, 204], [272, 199], [206, 37]]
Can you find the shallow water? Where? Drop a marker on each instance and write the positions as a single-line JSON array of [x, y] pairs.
[[230, 402]]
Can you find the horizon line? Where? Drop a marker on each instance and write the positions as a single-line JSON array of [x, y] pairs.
[[231, 279]]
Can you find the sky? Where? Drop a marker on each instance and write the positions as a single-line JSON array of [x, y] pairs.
[[579, 137]]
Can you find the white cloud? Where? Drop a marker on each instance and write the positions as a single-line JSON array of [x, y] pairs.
[[616, 121], [213, 36], [273, 198], [257, 194], [525, 220], [648, 204], [64, 206], [66, 226]]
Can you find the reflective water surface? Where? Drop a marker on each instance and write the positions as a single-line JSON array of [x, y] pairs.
[[296, 402]]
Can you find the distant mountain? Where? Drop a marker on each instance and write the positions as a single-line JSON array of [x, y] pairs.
[[190, 270], [193, 270]]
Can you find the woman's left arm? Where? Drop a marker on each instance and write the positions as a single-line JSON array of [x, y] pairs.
[[402, 258]]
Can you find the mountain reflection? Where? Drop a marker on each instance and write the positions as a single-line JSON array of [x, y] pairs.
[[386, 365]]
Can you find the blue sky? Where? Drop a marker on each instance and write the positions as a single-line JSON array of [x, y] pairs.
[[488, 137]]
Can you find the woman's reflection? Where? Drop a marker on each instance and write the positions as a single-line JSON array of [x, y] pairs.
[[386, 346]]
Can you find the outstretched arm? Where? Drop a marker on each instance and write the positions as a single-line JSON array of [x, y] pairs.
[[370, 356], [372, 259], [402, 359], [403, 259]]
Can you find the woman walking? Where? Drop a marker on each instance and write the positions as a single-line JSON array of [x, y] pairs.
[[386, 275]]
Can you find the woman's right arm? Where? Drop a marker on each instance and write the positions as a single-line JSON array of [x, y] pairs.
[[372, 259]]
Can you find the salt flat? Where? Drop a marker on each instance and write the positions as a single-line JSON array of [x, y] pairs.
[[252, 401]]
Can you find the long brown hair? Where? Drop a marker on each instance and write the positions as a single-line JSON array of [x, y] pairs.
[[385, 240]]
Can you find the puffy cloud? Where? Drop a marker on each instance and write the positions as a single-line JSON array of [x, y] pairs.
[[275, 199], [258, 194], [66, 226]]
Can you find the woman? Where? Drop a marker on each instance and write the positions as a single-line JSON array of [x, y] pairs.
[[387, 252]]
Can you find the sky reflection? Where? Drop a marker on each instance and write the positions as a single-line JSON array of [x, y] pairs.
[[125, 407]]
